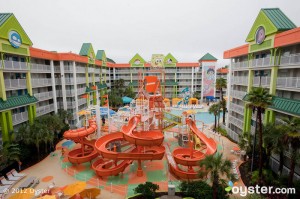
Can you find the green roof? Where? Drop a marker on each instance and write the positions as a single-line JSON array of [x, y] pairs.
[[16, 101], [169, 83], [133, 83], [99, 54], [88, 89], [110, 60], [208, 57], [84, 51], [4, 17], [286, 105], [279, 19], [101, 86]]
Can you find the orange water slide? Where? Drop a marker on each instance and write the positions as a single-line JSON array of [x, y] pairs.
[[87, 151], [190, 157]]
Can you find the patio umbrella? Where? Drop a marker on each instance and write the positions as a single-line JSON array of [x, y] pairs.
[[75, 188], [24, 194], [89, 193], [126, 100]]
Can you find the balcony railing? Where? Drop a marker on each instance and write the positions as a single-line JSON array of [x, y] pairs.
[[81, 80], [288, 82], [44, 109], [11, 84], [70, 92], [71, 105], [81, 91], [237, 122], [14, 65], [19, 118], [261, 62], [81, 101], [68, 69], [40, 68], [41, 82], [293, 59], [44, 95], [237, 65], [238, 94], [232, 134], [91, 70], [80, 69], [262, 81], [237, 108], [242, 80]]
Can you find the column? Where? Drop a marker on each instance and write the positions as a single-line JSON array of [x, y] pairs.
[[94, 85], [75, 90], [248, 110], [53, 86], [63, 84], [2, 86], [229, 78], [192, 90], [202, 83], [4, 126], [87, 84]]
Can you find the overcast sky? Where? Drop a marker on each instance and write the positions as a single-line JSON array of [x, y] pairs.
[[186, 28]]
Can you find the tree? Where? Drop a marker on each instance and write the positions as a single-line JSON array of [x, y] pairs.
[[221, 83], [217, 167], [129, 92], [64, 115], [275, 141], [147, 190], [214, 109], [11, 153], [245, 143], [293, 133], [196, 189], [259, 99], [197, 95]]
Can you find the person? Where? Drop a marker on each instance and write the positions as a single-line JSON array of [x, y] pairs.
[[103, 121]]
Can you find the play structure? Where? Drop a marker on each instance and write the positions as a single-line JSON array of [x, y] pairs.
[[138, 135]]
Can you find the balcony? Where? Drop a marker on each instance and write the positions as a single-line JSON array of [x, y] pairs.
[[239, 65], [238, 94], [288, 82], [44, 109], [80, 69], [20, 118], [81, 101], [68, 69], [40, 68], [81, 91], [91, 70], [70, 92], [44, 96], [81, 80], [237, 122], [261, 62], [41, 82], [240, 80], [236, 108], [261, 81], [14, 65], [57, 81], [293, 59], [233, 134], [15, 84], [71, 105]]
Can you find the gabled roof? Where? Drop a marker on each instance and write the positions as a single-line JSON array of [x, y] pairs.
[[84, 51], [4, 17], [17, 101], [99, 55], [279, 19], [110, 60], [208, 57]]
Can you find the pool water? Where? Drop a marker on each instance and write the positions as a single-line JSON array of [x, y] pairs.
[[202, 116]]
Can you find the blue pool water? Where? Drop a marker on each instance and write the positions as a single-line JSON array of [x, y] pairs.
[[202, 116]]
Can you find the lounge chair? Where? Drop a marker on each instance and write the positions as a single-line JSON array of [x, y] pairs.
[[16, 174], [12, 178], [6, 182]]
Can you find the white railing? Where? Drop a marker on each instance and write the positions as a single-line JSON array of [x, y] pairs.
[[15, 83], [97, 70], [242, 64], [292, 59], [57, 81], [238, 94], [41, 68], [261, 81], [80, 91], [261, 62], [80, 69], [71, 105], [68, 69], [69, 81], [237, 122], [236, 108], [243, 80], [233, 134], [81, 101], [288, 82], [44, 95], [44, 109], [91, 70], [14, 65], [41, 82], [81, 80], [70, 92], [19, 117]]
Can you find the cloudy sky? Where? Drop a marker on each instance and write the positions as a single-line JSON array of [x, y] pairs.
[[186, 28]]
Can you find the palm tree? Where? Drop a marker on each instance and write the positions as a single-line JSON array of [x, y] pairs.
[[275, 141], [293, 133], [217, 166], [214, 109], [220, 84], [259, 99]]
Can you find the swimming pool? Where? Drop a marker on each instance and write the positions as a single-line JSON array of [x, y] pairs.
[[203, 116]]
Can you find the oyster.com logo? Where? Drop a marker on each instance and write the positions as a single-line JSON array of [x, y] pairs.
[[14, 39], [231, 184]]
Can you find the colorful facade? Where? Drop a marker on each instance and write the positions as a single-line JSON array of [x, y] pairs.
[[270, 59], [35, 82]]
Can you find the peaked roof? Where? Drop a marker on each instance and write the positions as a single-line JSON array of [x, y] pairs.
[[4, 17], [16, 101], [110, 60], [84, 51], [279, 19], [99, 55], [208, 57]]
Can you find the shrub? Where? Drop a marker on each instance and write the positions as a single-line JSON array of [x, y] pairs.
[[196, 189], [222, 131], [147, 190]]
